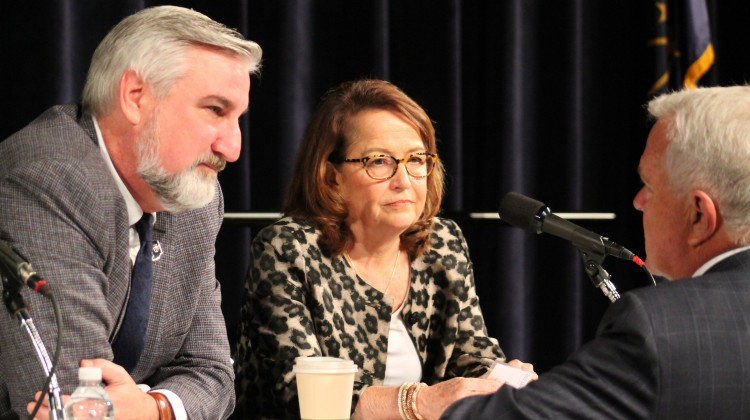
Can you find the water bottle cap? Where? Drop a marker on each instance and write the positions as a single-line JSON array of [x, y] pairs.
[[90, 374]]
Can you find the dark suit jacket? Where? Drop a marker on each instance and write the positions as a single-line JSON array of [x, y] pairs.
[[61, 209], [680, 350]]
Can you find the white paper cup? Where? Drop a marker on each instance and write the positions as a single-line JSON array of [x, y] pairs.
[[324, 387]]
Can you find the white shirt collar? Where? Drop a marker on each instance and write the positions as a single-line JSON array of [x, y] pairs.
[[134, 209], [715, 260]]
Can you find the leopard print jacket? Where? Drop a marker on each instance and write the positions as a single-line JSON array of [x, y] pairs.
[[299, 302]]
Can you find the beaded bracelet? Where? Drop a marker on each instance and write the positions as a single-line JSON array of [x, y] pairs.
[[402, 391], [410, 401], [407, 401]]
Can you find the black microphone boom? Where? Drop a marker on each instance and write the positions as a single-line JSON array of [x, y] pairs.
[[19, 270], [15, 273], [535, 217]]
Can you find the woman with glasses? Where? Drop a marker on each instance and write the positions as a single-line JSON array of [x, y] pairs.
[[361, 268]]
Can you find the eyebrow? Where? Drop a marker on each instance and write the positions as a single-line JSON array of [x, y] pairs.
[[641, 175], [385, 152]]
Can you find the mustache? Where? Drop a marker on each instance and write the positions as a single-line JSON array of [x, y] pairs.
[[212, 160]]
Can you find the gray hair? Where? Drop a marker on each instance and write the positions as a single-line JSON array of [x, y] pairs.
[[710, 149], [154, 42]]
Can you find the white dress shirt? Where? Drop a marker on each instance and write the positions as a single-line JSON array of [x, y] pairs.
[[715, 260], [402, 363], [134, 214]]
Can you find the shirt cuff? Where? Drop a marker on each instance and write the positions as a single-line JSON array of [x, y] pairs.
[[178, 408]]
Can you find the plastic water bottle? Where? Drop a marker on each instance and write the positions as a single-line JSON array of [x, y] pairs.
[[89, 401]]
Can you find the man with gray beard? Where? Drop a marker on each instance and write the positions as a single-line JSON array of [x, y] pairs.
[[126, 182], [178, 192]]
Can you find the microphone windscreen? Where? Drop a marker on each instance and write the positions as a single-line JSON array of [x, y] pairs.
[[520, 211]]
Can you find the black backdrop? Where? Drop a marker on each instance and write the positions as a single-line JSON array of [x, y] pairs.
[[540, 97]]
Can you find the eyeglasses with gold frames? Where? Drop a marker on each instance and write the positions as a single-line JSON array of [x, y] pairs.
[[382, 167]]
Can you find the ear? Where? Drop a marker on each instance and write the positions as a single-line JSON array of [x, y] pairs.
[[332, 175], [704, 216], [131, 96]]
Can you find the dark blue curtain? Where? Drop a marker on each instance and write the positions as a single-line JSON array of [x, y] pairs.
[[544, 98]]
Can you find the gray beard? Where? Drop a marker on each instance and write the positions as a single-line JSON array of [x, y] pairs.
[[187, 190]]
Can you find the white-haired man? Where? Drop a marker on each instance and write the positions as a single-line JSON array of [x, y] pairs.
[[679, 350], [158, 120]]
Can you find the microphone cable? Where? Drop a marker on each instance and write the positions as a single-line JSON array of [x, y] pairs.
[[58, 321], [642, 264]]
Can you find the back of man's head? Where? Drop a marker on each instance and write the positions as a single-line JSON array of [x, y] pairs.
[[710, 149], [154, 42]]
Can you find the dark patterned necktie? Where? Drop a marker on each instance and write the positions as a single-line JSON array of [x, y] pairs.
[[131, 339]]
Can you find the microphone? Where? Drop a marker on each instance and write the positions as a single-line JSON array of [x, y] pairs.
[[19, 270], [535, 217]]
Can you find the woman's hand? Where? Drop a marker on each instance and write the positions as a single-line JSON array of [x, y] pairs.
[[524, 366], [433, 400], [382, 402]]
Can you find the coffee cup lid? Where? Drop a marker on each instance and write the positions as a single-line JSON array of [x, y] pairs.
[[322, 364]]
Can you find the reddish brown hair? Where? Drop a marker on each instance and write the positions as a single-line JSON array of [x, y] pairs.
[[312, 194]]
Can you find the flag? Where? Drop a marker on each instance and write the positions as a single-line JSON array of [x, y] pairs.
[[680, 44]]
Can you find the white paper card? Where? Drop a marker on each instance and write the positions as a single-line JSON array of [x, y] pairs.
[[515, 377]]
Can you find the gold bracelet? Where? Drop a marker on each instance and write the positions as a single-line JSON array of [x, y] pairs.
[[414, 408], [163, 406], [409, 400], [401, 400], [409, 393]]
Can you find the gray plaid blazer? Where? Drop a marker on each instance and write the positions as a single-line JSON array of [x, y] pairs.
[[60, 208], [680, 350]]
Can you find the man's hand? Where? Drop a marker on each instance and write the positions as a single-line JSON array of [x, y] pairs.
[[129, 401], [43, 412]]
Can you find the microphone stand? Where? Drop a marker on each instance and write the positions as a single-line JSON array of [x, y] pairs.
[[592, 264], [16, 306]]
